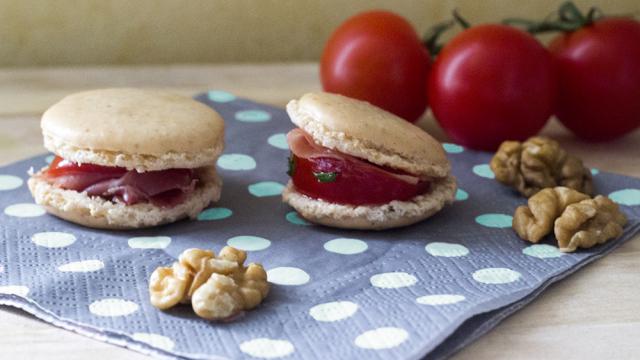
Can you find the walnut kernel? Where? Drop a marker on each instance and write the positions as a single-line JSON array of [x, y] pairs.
[[217, 287], [588, 223], [539, 163], [535, 221]]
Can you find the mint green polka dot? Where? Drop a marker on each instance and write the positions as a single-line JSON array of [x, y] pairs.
[[484, 171], [495, 220], [236, 162], [461, 195], [215, 214], [346, 246], [49, 159], [542, 251], [496, 276], [249, 243], [278, 140], [446, 249], [253, 116], [628, 197], [220, 96], [294, 218], [266, 188], [452, 148], [595, 171]]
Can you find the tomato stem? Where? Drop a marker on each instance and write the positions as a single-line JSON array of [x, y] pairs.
[[432, 36], [567, 18]]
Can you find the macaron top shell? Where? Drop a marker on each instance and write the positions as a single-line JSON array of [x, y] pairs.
[[132, 124], [362, 130]]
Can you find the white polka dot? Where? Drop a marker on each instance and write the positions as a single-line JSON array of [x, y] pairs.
[[446, 249], [24, 210], [346, 246], [496, 276], [18, 290], [392, 280], [9, 182], [267, 348], [382, 338], [113, 307], [155, 340], [1, 268], [149, 242], [440, 299], [288, 276], [82, 266], [483, 170], [53, 239], [333, 311], [542, 251], [249, 243]]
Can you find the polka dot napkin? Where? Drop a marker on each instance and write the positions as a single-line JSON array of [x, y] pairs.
[[424, 290]]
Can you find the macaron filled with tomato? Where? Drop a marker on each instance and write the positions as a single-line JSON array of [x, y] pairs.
[[129, 158], [356, 166]]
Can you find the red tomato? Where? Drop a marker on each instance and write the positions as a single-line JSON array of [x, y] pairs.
[[377, 56], [492, 83], [599, 78], [351, 183]]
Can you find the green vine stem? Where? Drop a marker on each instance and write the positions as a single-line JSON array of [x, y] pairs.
[[432, 36], [566, 19]]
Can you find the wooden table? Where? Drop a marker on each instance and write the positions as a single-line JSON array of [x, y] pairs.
[[592, 314]]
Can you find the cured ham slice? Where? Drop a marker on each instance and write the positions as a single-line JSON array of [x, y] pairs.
[[165, 188], [330, 175]]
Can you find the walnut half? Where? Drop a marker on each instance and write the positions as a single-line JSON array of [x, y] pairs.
[[218, 287], [535, 221], [588, 223], [539, 163]]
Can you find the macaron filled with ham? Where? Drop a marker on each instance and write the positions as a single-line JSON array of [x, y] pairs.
[[356, 166], [129, 158]]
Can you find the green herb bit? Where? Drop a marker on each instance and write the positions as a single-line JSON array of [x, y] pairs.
[[325, 177]]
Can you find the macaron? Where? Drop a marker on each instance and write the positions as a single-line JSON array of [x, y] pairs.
[[356, 166], [129, 158]]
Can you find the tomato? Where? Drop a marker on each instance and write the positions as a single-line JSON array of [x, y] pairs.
[[599, 78], [492, 83], [347, 182], [377, 57]]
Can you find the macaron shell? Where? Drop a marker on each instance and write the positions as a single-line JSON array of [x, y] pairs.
[[133, 121]]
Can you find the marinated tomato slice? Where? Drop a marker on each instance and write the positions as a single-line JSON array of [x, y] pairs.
[[335, 177]]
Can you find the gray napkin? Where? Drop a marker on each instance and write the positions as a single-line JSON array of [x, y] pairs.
[[424, 290]]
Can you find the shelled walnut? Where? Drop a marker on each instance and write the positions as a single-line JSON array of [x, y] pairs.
[[539, 163], [217, 287], [588, 223], [535, 221], [577, 220]]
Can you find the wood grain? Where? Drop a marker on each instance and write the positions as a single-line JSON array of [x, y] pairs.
[[592, 314]]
